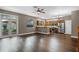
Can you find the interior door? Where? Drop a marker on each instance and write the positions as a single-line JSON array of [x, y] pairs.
[[68, 25], [62, 27]]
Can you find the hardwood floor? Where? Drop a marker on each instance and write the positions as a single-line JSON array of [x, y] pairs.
[[38, 43]]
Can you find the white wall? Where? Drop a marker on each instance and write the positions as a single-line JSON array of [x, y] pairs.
[[68, 26]]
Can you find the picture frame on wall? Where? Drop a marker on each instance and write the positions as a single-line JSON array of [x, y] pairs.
[[30, 23]]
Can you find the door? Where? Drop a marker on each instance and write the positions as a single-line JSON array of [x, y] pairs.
[[13, 24], [8, 24], [62, 27], [68, 26], [4, 24]]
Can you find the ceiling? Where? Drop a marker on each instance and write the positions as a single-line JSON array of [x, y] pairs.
[[51, 11]]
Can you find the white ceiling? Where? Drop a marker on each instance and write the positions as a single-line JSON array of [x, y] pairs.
[[50, 10]]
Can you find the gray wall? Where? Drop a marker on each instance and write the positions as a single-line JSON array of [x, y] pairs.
[[22, 21], [75, 22]]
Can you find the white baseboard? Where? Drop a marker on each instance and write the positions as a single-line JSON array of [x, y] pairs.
[[43, 33], [26, 33], [33, 33], [21, 34], [74, 37], [67, 33]]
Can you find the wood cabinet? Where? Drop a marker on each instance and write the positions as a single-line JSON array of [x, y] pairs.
[[42, 27], [77, 47], [51, 26]]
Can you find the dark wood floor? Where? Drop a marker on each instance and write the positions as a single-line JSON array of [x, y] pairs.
[[38, 43]]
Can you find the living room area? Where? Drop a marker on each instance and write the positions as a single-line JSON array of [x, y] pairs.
[[39, 28]]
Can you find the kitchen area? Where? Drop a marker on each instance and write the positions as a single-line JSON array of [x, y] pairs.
[[49, 26]]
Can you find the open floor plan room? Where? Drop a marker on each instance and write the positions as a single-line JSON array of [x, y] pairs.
[[39, 28]]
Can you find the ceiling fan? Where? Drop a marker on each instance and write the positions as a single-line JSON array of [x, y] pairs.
[[39, 10]]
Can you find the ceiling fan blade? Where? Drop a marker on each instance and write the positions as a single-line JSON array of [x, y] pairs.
[[35, 6], [42, 9], [38, 10], [43, 12]]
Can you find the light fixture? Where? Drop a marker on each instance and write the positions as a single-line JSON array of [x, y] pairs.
[[38, 10]]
